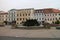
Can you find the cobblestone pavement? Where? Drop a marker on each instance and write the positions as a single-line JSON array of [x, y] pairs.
[[40, 33]]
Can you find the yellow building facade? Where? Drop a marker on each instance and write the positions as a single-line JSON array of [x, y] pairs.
[[23, 14], [3, 17]]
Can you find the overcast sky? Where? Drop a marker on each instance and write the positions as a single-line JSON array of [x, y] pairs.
[[19, 4]]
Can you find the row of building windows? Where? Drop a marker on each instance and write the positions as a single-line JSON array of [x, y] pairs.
[[1, 19], [19, 19], [23, 15], [11, 16], [49, 19], [11, 19], [45, 14], [24, 19], [19, 22], [39, 11], [1, 15], [24, 11]]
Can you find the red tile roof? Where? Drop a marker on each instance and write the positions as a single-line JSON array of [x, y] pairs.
[[48, 10], [3, 13]]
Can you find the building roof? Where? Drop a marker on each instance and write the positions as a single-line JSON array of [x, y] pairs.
[[3, 13], [47, 10], [25, 9], [12, 10]]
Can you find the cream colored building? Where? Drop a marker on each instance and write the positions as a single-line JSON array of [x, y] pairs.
[[47, 15], [11, 15], [3, 16], [24, 14], [21, 15]]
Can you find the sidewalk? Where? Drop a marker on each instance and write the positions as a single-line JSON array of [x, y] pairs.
[[41, 33]]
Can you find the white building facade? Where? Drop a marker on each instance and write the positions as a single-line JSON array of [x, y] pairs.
[[20, 15], [47, 15], [11, 15], [39, 16]]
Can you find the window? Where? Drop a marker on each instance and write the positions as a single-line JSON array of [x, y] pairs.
[[14, 19], [17, 14], [55, 14], [26, 14], [20, 14], [20, 18], [59, 14], [45, 15], [17, 23], [26, 18], [20, 23], [6, 15], [48, 15], [14, 15], [29, 14], [48, 19], [23, 18], [40, 18], [56, 18], [23, 14], [53, 18], [59, 18], [17, 19], [45, 19], [9, 19], [6, 19]]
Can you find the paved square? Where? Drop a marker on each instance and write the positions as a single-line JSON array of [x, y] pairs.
[[40, 33]]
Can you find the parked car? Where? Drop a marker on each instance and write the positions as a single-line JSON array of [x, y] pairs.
[[58, 27]]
